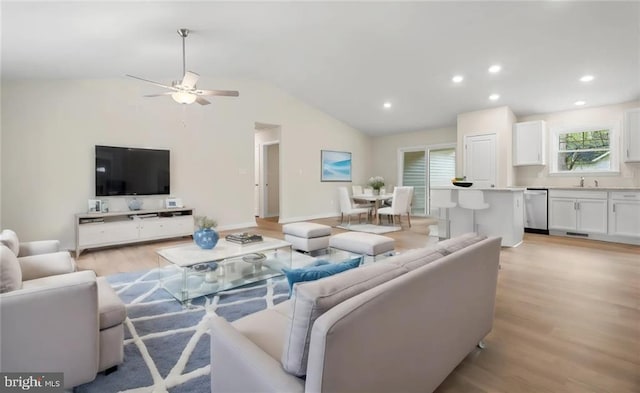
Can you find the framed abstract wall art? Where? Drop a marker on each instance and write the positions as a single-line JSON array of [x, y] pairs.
[[335, 165]]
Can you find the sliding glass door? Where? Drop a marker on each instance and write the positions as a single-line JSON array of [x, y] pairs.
[[423, 168]]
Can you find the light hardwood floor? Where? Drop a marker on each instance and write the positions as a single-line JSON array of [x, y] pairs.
[[567, 315]]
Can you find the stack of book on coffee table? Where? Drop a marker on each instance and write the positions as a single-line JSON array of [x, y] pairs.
[[243, 238]]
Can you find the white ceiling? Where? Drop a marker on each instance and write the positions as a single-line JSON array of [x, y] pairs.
[[347, 58]]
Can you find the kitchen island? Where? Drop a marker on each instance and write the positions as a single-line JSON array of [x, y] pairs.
[[503, 217]]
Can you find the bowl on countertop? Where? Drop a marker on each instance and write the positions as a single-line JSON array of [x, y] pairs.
[[462, 183]]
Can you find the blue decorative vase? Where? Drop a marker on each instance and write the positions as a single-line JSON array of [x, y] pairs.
[[206, 238]]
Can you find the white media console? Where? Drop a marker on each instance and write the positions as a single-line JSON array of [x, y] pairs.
[[107, 229]]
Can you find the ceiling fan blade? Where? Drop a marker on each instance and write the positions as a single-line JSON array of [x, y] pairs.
[[153, 83], [202, 101], [159, 94], [228, 93], [190, 79]]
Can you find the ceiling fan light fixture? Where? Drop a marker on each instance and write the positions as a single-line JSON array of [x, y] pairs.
[[182, 97]]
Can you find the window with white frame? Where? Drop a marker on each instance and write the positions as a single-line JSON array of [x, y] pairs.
[[584, 150]]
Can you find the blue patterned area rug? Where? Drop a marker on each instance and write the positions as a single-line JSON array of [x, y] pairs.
[[166, 346]]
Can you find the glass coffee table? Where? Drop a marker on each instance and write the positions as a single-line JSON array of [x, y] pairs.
[[188, 271]]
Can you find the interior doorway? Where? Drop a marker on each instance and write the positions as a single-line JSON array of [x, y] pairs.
[[267, 170]]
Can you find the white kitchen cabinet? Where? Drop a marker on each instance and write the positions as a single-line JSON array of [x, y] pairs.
[[562, 214], [631, 149], [624, 214], [529, 143], [578, 212]]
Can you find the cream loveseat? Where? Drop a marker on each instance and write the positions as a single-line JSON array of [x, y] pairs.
[[397, 325]]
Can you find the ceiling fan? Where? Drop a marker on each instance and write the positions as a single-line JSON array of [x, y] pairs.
[[185, 91]]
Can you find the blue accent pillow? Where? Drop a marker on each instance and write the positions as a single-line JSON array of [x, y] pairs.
[[318, 269]]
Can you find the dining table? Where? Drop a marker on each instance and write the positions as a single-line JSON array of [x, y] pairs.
[[376, 199]]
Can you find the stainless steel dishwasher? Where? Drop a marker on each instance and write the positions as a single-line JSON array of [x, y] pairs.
[[536, 218]]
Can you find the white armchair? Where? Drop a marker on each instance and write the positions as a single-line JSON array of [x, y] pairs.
[[55, 319]]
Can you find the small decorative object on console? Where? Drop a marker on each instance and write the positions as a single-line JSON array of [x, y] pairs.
[[205, 236], [95, 205], [171, 203], [135, 204], [243, 238]]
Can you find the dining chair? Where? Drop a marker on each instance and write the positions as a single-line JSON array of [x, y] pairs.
[[361, 203], [346, 206], [400, 205], [367, 191]]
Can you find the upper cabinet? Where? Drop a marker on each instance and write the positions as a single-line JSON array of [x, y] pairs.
[[631, 148], [529, 143]]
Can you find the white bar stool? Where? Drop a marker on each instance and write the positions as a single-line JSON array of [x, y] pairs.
[[442, 199], [472, 200]]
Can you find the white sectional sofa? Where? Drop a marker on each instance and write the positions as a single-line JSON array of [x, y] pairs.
[[398, 325]]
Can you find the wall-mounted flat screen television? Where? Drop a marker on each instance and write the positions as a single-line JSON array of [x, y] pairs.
[[131, 171]]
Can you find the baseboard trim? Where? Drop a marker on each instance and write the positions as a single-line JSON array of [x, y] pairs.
[[231, 227], [285, 220]]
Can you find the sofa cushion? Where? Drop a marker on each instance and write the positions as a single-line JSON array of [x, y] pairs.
[[320, 269], [449, 246], [10, 272], [264, 328], [312, 299], [415, 258], [10, 239], [111, 308]]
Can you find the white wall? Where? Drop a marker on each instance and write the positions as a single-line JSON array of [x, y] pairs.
[[629, 175], [385, 150], [497, 121], [49, 129]]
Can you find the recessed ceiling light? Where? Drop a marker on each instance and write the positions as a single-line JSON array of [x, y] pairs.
[[457, 79], [387, 105], [494, 97], [580, 103], [586, 78], [494, 69]]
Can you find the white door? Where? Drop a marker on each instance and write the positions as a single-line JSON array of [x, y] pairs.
[[256, 179], [270, 180], [273, 180], [480, 159]]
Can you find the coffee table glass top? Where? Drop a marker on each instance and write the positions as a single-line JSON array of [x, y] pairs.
[[188, 271]]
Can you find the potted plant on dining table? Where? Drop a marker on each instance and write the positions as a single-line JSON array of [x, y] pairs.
[[376, 182]]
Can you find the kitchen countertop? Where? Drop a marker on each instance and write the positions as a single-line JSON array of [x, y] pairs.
[[509, 189], [590, 188]]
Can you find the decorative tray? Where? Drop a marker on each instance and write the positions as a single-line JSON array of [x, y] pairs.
[[462, 183], [254, 258]]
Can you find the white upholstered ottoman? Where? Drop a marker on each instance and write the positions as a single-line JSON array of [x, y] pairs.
[[307, 236], [362, 243]]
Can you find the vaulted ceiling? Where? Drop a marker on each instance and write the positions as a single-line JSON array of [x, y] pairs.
[[347, 59]]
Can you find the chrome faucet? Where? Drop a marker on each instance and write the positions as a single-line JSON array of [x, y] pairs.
[[582, 181], [596, 183]]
